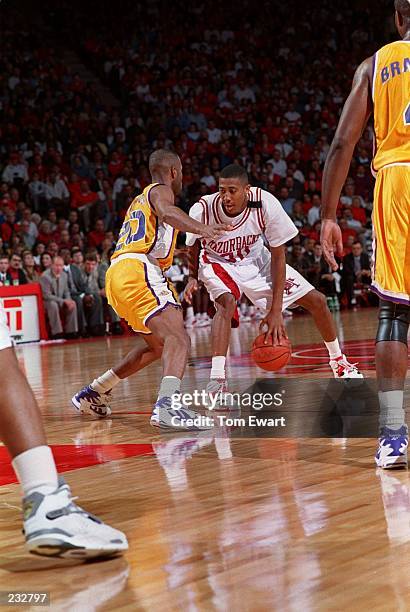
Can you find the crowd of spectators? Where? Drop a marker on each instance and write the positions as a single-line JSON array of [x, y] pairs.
[[256, 84]]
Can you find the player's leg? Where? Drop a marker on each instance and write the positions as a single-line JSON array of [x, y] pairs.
[[391, 281], [225, 313], [168, 325], [135, 290], [225, 306], [224, 291], [315, 303], [53, 524], [391, 371], [95, 397]]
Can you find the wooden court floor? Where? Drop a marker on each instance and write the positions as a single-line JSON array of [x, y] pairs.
[[214, 522]]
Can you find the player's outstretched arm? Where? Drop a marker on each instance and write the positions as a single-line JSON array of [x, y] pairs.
[[193, 262], [353, 120], [163, 200]]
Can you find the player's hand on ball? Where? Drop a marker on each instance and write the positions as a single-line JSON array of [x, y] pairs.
[[274, 322], [213, 232], [190, 289], [331, 241]]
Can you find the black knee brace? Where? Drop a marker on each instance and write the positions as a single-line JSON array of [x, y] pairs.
[[394, 320]]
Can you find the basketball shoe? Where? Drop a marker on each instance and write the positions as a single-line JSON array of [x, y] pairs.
[[54, 526], [181, 419], [219, 398], [392, 451], [342, 368], [88, 401]]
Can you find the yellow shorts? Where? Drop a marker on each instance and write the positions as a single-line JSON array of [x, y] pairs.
[[391, 234], [137, 290]]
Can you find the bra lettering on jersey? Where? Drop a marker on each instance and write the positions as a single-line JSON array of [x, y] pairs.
[[395, 69]]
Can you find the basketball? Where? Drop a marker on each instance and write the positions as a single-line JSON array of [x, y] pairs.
[[270, 357]]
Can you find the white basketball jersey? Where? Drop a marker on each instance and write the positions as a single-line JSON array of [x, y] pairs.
[[264, 216]]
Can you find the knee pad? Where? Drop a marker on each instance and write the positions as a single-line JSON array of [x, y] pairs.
[[394, 322]]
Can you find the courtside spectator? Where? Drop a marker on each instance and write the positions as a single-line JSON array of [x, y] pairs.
[[356, 271], [60, 307], [15, 274]]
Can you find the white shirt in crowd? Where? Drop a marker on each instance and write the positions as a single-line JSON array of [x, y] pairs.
[[209, 180], [214, 135], [278, 167], [57, 190], [285, 149], [15, 171], [313, 215]]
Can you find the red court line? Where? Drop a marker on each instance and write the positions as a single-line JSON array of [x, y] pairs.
[[72, 457]]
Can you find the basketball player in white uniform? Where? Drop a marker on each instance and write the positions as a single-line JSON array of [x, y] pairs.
[[239, 262], [53, 524]]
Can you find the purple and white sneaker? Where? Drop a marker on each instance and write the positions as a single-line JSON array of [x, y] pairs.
[[392, 451], [88, 401]]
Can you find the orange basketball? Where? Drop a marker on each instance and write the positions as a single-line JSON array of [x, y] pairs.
[[269, 357]]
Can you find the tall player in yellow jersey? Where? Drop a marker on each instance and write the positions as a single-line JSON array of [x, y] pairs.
[[382, 85], [138, 290]]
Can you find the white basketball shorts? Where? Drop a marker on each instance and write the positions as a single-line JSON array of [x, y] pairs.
[[254, 280]]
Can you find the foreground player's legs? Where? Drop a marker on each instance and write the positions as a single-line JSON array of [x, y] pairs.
[[53, 524], [95, 397], [168, 325], [391, 370], [315, 303]]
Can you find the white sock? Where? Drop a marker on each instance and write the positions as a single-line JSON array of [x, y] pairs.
[[105, 382], [36, 470], [333, 349], [190, 312], [218, 367], [169, 386], [391, 409]]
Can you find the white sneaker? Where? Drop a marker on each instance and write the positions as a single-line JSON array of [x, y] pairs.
[[342, 368], [222, 399], [181, 419], [54, 526], [89, 401]]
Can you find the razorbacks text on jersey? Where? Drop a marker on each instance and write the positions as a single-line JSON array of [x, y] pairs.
[[142, 232], [264, 215]]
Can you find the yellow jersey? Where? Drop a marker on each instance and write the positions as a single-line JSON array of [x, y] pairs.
[[142, 232], [391, 100]]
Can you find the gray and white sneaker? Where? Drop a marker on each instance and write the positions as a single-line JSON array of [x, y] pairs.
[[90, 401], [54, 526], [219, 398], [181, 419]]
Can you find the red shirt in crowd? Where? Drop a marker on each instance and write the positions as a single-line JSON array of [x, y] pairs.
[[82, 199], [95, 238]]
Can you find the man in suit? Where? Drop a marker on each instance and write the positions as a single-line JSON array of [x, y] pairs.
[[4, 266], [87, 296], [58, 302], [15, 274], [356, 269]]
